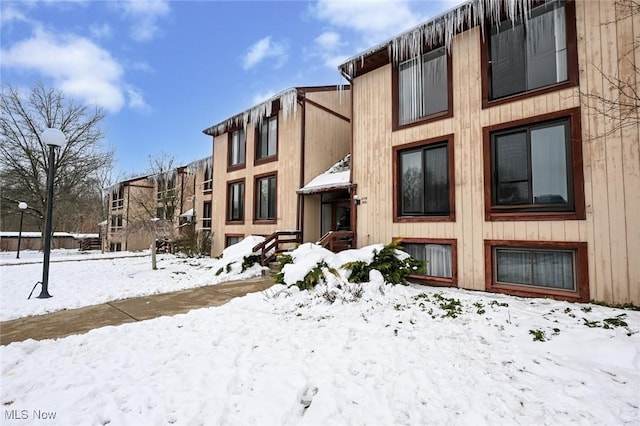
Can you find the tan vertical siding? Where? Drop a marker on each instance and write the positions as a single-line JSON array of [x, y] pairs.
[[327, 140], [611, 163]]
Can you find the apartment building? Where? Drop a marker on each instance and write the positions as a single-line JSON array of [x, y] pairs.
[[479, 142], [168, 204], [263, 156]]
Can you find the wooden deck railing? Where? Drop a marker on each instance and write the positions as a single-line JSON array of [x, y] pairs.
[[272, 245], [337, 240]]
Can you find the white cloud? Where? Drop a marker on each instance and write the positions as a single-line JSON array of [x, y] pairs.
[[261, 97], [9, 14], [374, 20], [78, 66], [100, 31], [136, 99], [328, 40], [263, 49], [145, 14]]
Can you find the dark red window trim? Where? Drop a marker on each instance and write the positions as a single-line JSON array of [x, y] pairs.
[[395, 98], [226, 238], [436, 281], [239, 166], [228, 221], [451, 217], [502, 214], [580, 267], [256, 195], [572, 64], [257, 161]]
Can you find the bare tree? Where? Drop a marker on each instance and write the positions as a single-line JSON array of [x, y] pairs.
[[24, 158], [161, 202], [620, 105]]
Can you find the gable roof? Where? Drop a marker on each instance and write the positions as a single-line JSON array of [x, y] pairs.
[[287, 101]]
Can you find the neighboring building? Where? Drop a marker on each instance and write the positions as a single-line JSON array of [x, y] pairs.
[[263, 156], [174, 197], [124, 230], [475, 142]]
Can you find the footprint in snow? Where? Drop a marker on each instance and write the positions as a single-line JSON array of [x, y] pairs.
[[307, 396]]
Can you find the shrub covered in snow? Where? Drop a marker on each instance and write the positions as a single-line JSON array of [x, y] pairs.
[[240, 257], [311, 266]]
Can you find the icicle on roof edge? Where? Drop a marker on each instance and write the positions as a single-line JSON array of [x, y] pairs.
[[288, 105], [200, 165], [442, 29]]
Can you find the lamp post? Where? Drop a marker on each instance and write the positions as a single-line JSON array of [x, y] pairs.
[[22, 206], [54, 138], [154, 221]]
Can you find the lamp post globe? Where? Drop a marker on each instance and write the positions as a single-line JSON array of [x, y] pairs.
[[22, 206], [54, 138]]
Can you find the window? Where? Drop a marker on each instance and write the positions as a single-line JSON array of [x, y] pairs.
[[439, 257], [115, 247], [267, 138], [537, 169], [538, 268], [117, 198], [265, 198], [231, 239], [237, 147], [532, 56], [206, 215], [235, 201], [422, 87], [166, 187], [165, 212], [424, 187], [116, 223], [207, 179]]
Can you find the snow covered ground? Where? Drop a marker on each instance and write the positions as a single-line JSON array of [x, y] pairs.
[[395, 355], [79, 279]]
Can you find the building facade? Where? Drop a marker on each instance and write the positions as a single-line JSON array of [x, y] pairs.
[[480, 143], [263, 156], [169, 204]]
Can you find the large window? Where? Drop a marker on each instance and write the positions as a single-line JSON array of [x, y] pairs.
[[265, 199], [116, 223], [527, 57], [424, 181], [422, 87], [533, 167], [237, 147], [439, 257], [207, 179], [206, 215], [235, 201], [538, 268], [117, 198], [267, 138], [542, 268]]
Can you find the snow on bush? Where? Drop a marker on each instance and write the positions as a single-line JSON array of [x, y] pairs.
[[342, 275], [240, 257]]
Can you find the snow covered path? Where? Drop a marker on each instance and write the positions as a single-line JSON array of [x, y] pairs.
[[408, 356]]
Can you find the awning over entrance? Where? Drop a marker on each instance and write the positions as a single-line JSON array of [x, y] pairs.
[[188, 214], [337, 177]]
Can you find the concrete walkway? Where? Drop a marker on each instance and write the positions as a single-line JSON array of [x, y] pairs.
[[77, 321]]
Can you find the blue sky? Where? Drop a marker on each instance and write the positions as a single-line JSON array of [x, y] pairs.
[[165, 70]]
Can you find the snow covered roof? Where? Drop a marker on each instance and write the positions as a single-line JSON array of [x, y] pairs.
[[188, 214], [436, 32], [288, 100], [337, 177]]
